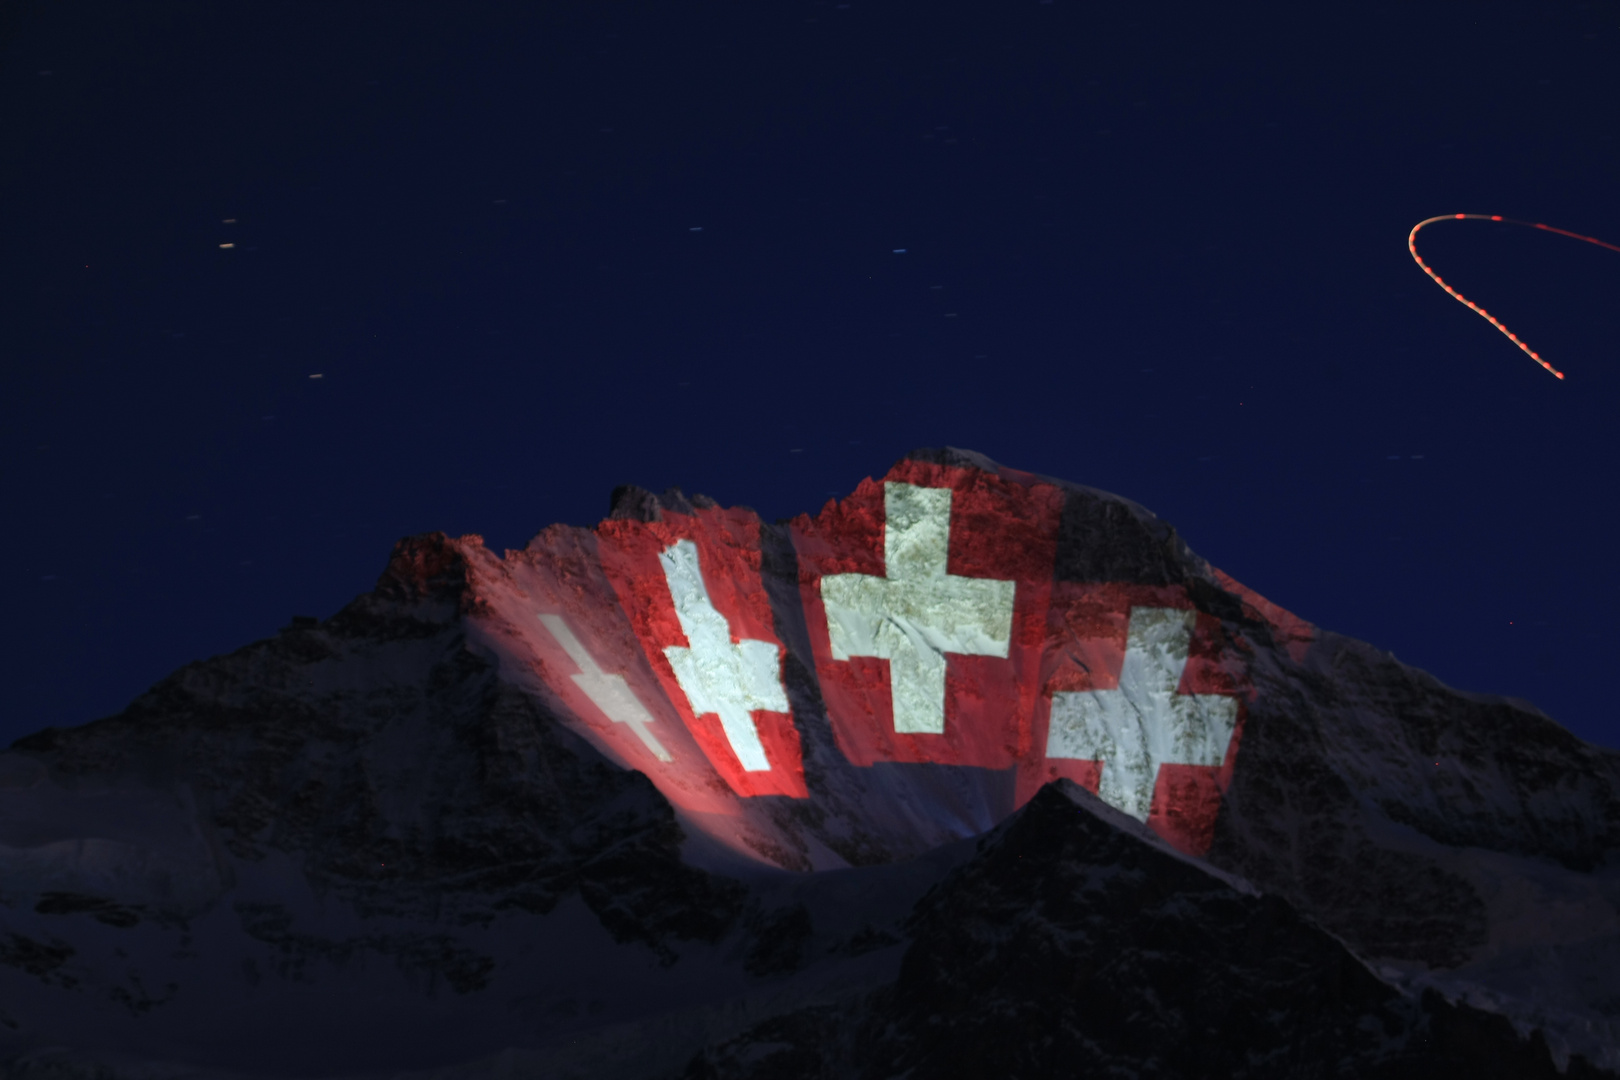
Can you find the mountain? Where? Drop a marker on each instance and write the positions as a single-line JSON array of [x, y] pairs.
[[972, 772]]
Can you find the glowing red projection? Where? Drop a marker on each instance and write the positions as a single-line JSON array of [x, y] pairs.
[[692, 587], [1142, 704], [593, 671], [1411, 245], [982, 619], [925, 598]]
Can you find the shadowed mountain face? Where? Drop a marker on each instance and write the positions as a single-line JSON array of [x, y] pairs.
[[973, 771], [1073, 944]]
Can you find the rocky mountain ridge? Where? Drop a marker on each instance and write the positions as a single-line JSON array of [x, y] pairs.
[[633, 801]]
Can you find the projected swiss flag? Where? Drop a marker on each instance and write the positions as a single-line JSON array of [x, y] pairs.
[[925, 598], [691, 586], [1141, 703], [593, 668]]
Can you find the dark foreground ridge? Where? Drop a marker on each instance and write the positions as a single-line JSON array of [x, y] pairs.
[[1073, 945]]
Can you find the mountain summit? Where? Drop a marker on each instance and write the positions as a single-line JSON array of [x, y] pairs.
[[974, 772]]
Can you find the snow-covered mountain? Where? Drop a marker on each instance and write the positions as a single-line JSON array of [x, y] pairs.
[[973, 773]]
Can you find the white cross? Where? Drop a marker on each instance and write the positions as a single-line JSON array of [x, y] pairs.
[[717, 675], [610, 693], [1145, 723], [918, 612]]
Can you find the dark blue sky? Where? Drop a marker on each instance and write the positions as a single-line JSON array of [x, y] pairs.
[[1154, 248]]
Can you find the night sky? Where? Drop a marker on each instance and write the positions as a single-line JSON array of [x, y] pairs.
[[537, 250]]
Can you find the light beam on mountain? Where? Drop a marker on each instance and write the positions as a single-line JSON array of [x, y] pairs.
[[675, 796]]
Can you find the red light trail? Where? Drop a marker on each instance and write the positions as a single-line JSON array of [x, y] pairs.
[[1411, 245]]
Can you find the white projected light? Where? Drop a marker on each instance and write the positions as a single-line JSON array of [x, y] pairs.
[[1145, 723], [610, 693], [917, 612], [717, 675]]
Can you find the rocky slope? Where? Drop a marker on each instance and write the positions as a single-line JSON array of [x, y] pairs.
[[1075, 944], [692, 793]]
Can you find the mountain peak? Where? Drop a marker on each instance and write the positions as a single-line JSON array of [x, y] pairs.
[[741, 753], [631, 503]]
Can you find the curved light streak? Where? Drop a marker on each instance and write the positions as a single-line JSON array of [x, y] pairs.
[[1411, 245]]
